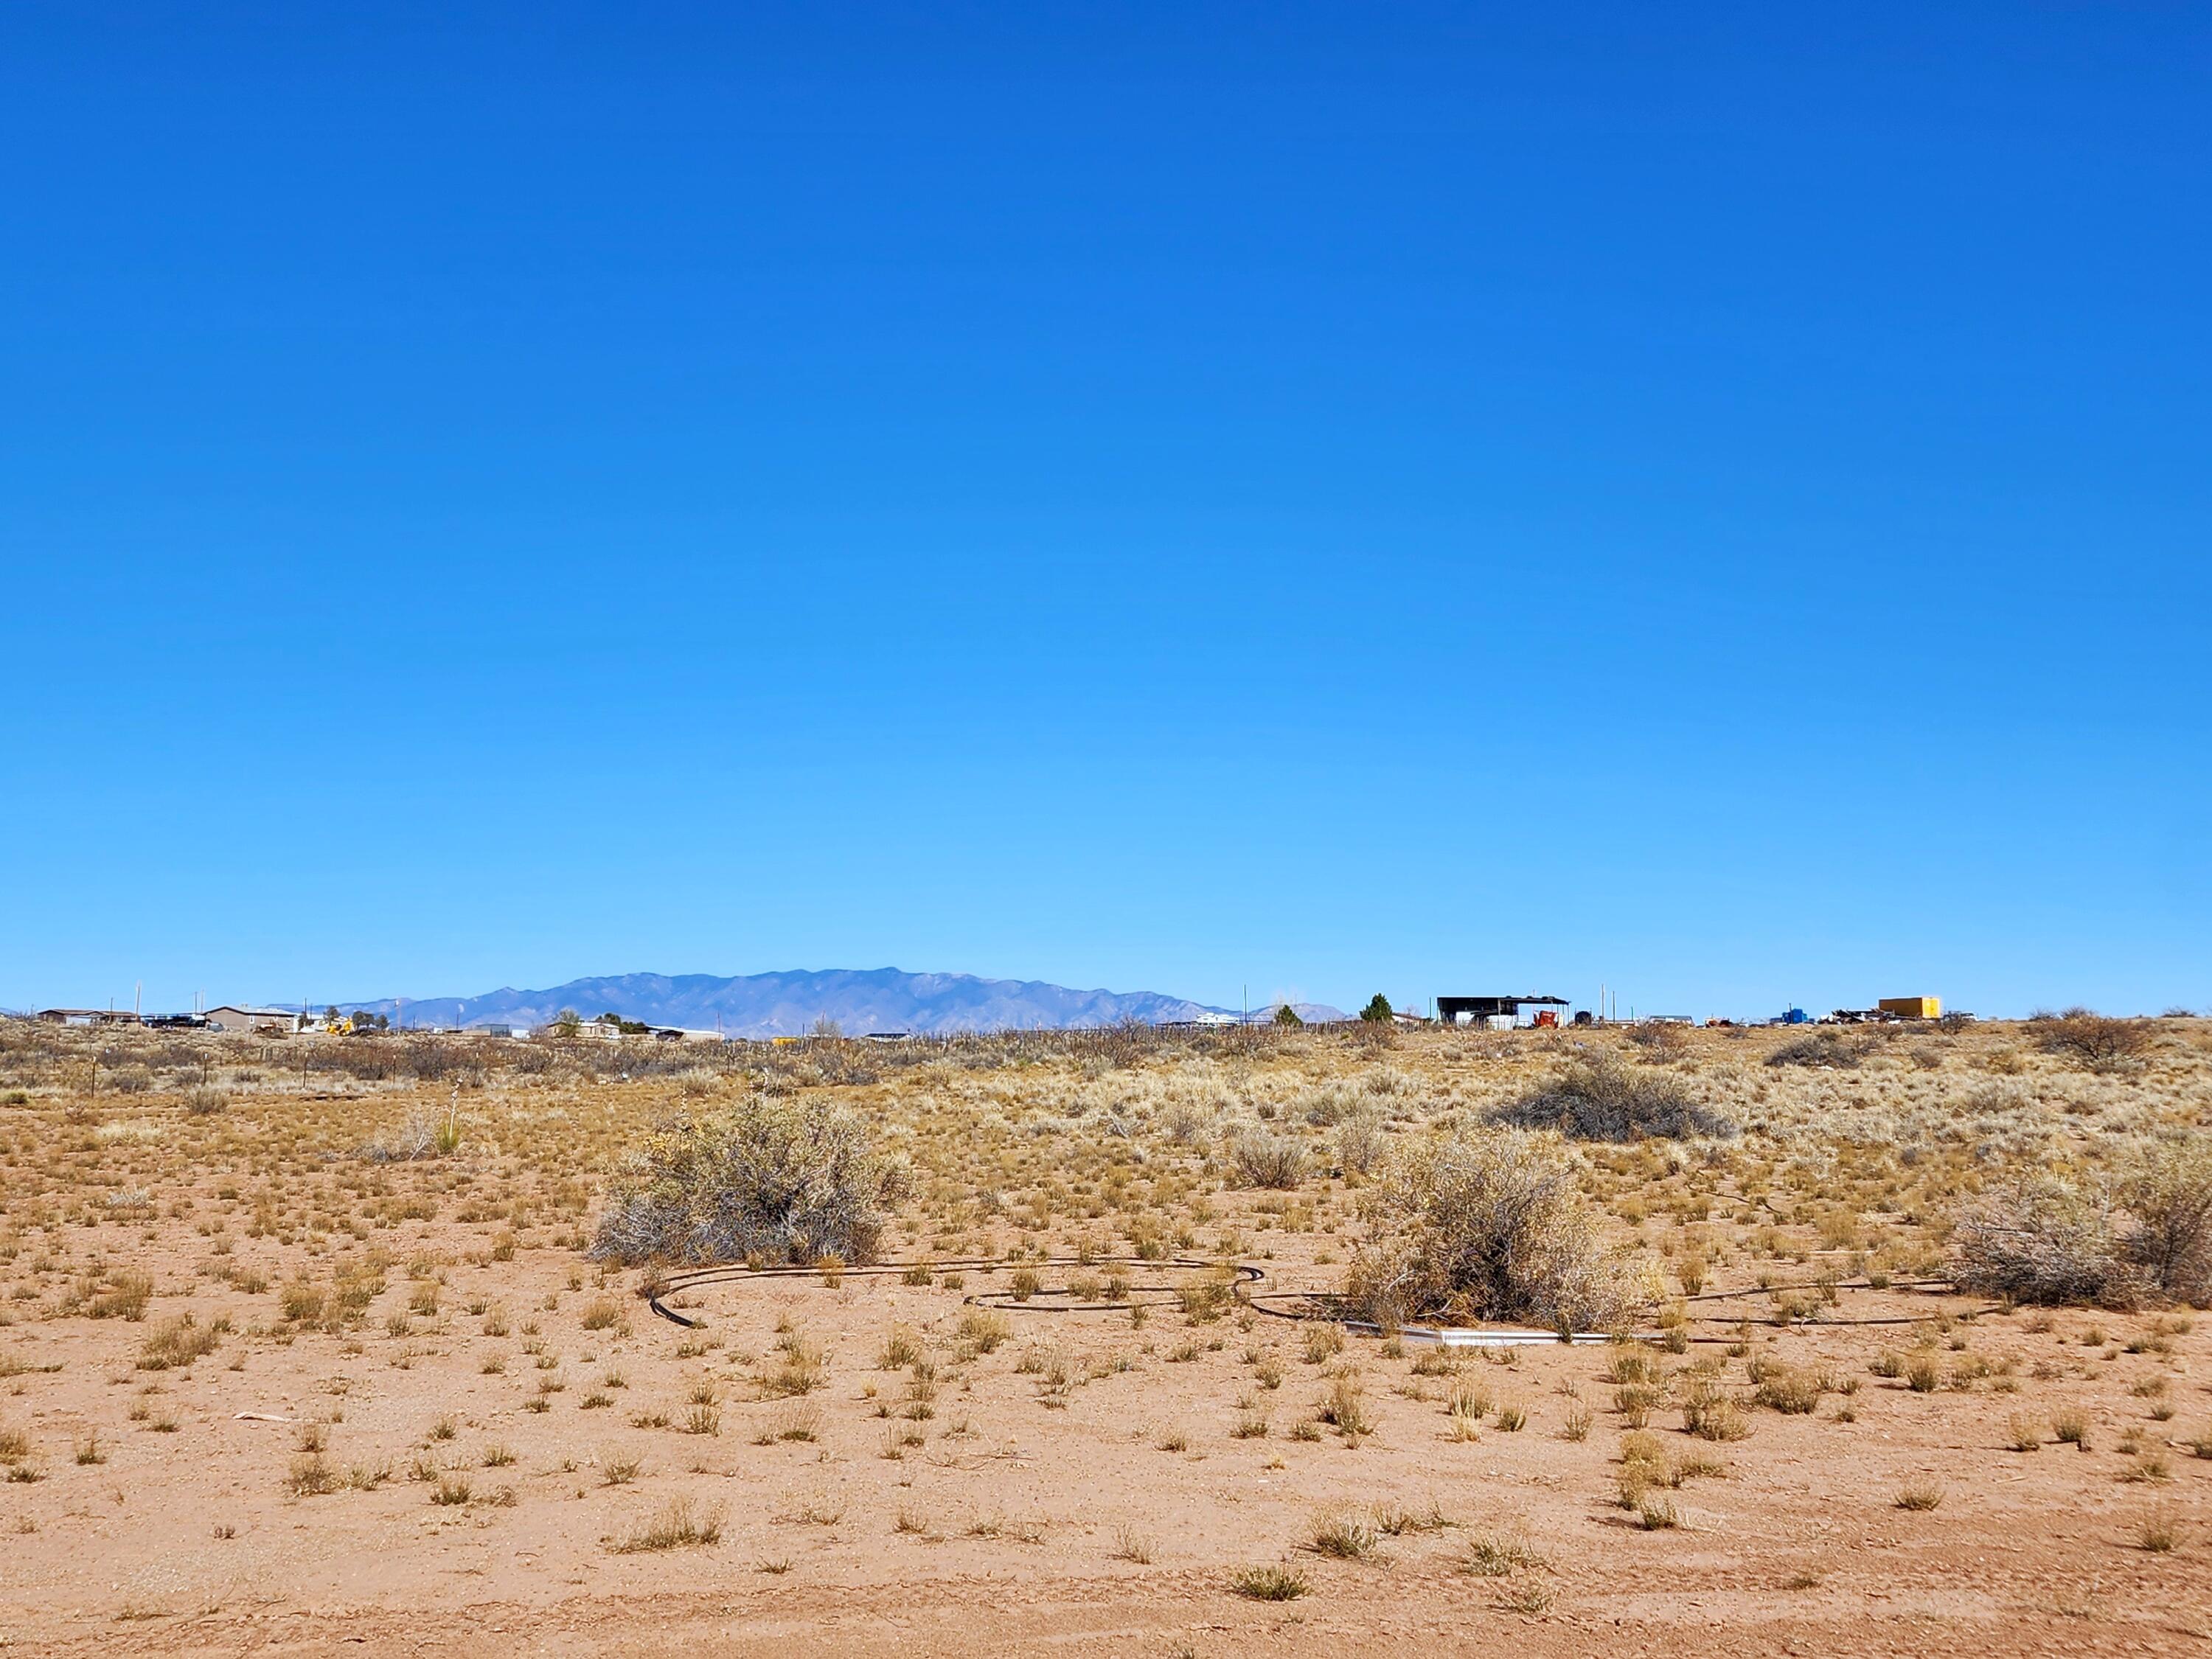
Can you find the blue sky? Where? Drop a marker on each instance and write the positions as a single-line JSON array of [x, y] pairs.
[[1313, 498]]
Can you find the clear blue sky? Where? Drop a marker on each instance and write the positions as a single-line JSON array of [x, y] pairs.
[[1711, 501]]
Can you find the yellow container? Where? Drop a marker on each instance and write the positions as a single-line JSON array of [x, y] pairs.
[[1912, 1007]]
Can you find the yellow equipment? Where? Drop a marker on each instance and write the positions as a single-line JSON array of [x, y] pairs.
[[1912, 1007]]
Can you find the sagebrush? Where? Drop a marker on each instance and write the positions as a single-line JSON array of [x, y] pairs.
[[1602, 1099], [1491, 1225], [768, 1178]]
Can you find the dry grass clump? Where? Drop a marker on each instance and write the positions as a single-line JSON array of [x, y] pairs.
[[175, 1343], [2160, 1533], [1344, 1407], [1321, 1342], [1270, 1583], [1790, 1390], [122, 1294], [984, 1329], [1494, 1556], [1646, 1473], [1642, 1467], [1491, 1225], [1710, 1413], [1601, 1099], [1130, 1544], [768, 1178], [312, 1475], [681, 1525], [1345, 1537]]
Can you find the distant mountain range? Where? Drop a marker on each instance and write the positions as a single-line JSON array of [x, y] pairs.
[[860, 1000]]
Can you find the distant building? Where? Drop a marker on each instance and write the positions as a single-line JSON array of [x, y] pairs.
[[1492, 1014], [583, 1031], [229, 1018], [87, 1017]]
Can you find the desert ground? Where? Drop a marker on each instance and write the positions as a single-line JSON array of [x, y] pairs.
[[305, 1349]]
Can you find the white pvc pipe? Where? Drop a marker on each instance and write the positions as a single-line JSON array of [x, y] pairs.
[[1455, 1336]]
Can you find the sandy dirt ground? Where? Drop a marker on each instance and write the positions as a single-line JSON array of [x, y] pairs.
[[480, 1441]]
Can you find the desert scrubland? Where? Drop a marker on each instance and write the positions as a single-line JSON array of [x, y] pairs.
[[328, 1343]]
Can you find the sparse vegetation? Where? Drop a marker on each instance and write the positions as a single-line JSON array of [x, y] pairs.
[[436, 1322]]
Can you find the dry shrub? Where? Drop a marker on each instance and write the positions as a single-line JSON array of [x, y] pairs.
[[1185, 1125], [2169, 1200], [426, 1131], [1266, 1160], [769, 1177], [1492, 1226], [1360, 1143], [1601, 1099], [2042, 1240], [2091, 1037], [1662, 1040], [1823, 1050], [1788, 1391]]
